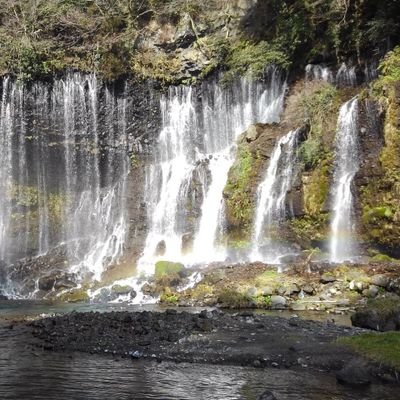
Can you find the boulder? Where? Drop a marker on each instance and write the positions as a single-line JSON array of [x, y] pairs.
[[46, 283], [380, 280], [122, 290], [253, 133], [356, 373], [267, 291], [278, 302], [327, 278], [267, 395], [308, 289], [292, 289], [64, 283], [379, 314], [165, 268]]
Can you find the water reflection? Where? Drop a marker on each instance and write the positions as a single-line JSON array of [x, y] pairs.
[[28, 373]]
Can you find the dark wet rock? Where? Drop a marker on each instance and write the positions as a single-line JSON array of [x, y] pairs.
[[356, 373], [267, 395], [394, 286], [3, 297], [46, 282], [377, 319], [64, 283]]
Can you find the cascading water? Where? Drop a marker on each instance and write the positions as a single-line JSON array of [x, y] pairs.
[[344, 77], [63, 169], [343, 245], [271, 199], [195, 151]]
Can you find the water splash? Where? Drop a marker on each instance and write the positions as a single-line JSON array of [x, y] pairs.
[[271, 199], [63, 171], [343, 245], [195, 151]]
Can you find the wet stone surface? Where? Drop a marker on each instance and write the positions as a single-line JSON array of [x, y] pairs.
[[208, 337]]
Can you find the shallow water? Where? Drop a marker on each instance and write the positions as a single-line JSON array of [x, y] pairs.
[[34, 374]]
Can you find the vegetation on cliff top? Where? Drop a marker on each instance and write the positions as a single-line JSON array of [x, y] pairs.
[[139, 37]]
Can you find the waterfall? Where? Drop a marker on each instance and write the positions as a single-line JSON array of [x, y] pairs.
[[63, 169], [195, 150], [345, 76], [271, 199], [343, 245]]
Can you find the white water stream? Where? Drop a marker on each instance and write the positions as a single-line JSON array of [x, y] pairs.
[[195, 151], [343, 244]]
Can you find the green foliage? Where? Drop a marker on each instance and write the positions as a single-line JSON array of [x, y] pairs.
[[149, 64], [389, 69], [310, 30], [169, 298], [165, 268], [262, 301], [320, 101], [380, 347], [310, 152], [246, 58]]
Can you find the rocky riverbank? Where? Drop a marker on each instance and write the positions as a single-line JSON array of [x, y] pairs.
[[299, 287], [211, 337]]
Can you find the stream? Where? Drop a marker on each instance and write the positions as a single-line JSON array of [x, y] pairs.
[[27, 373]]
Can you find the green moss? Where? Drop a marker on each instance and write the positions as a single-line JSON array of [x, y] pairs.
[[169, 298], [166, 268], [310, 228], [316, 189], [237, 192], [382, 258], [150, 64], [380, 347], [267, 278], [75, 296]]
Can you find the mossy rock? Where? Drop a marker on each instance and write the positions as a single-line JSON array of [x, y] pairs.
[[166, 268], [121, 289], [75, 296]]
